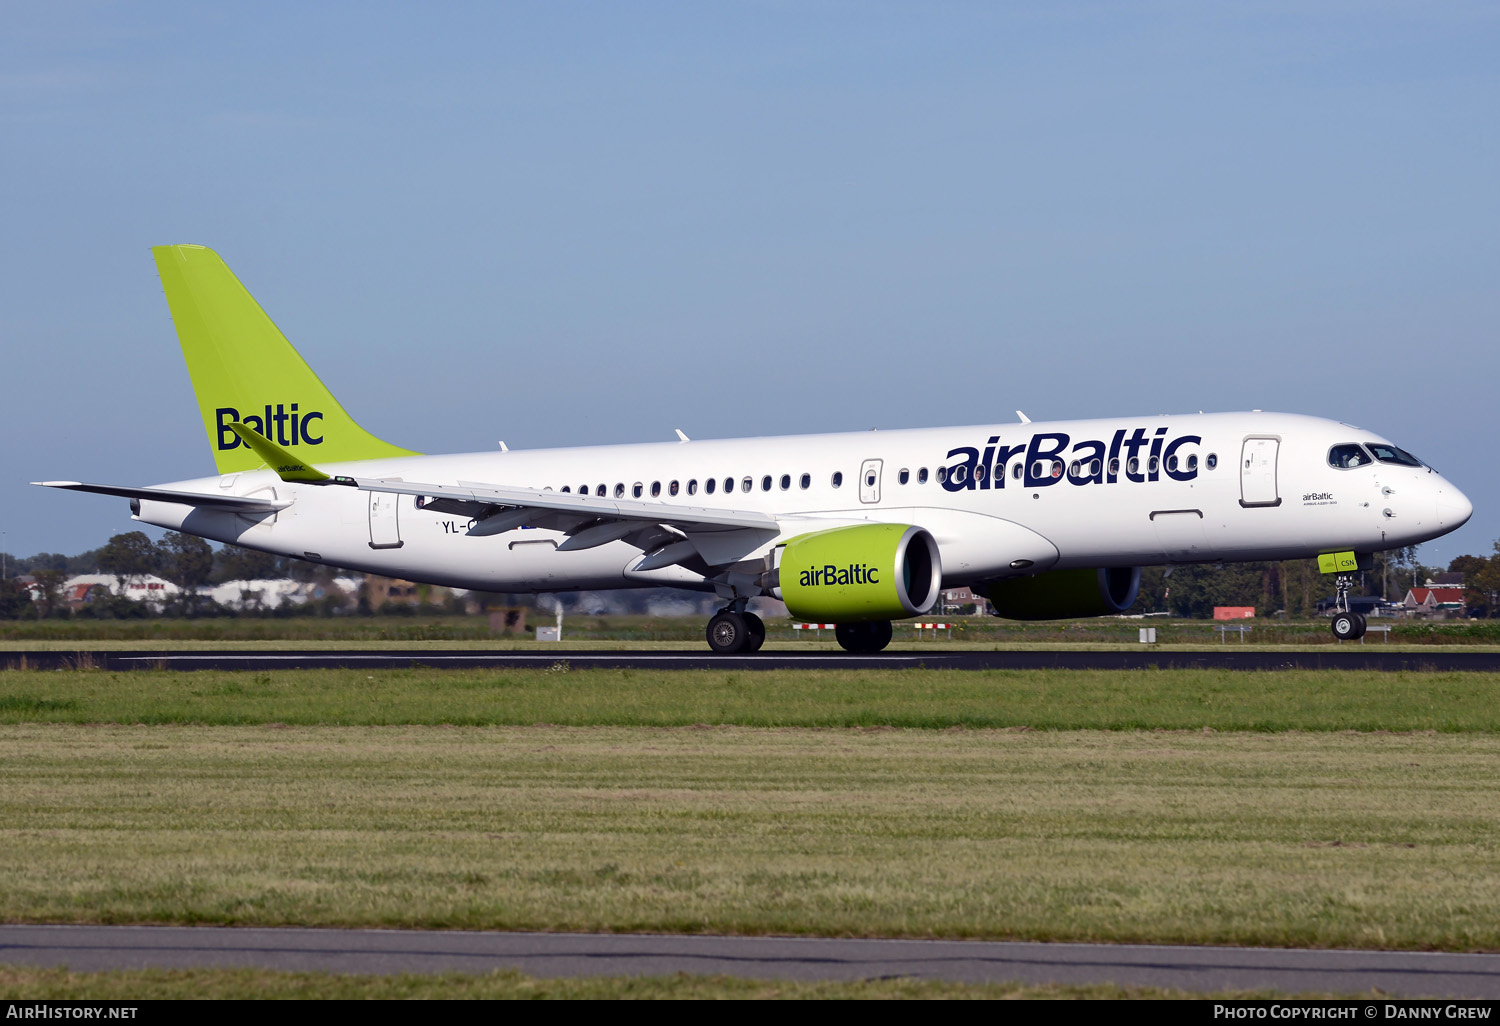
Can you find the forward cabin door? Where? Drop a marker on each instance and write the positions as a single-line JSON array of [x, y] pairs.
[[385, 525], [869, 481], [1258, 472]]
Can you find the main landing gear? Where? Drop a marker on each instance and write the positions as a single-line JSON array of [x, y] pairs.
[[1347, 625], [864, 638], [735, 633]]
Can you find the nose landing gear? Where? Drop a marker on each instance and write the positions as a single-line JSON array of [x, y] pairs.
[[1347, 625]]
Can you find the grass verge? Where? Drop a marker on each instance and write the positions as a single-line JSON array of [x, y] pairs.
[[1291, 839], [25, 984], [1050, 699]]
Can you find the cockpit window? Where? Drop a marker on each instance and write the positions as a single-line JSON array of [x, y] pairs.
[[1346, 456], [1390, 454]]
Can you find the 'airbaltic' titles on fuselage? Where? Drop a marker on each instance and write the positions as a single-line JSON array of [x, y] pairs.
[[856, 573], [1134, 455], [280, 425]]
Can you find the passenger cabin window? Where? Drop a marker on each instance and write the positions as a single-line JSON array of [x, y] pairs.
[[978, 474], [728, 485], [599, 491], [1212, 461], [786, 481], [1017, 470], [692, 486], [710, 485], [636, 489], [942, 474], [806, 481], [837, 479], [567, 488], [672, 488], [1390, 454], [904, 476], [746, 484], [921, 475], [1193, 462], [1155, 462], [655, 489], [619, 490], [1348, 456], [765, 483]]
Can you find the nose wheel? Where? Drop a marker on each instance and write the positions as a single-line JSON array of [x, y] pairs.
[[1347, 625]]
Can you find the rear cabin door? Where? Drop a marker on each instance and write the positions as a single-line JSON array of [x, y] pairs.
[[869, 481], [385, 526], [1258, 472]]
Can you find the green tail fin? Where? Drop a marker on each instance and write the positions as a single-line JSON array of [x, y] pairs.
[[244, 370]]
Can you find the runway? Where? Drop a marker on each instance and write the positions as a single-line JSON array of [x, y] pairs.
[[1390, 973], [1231, 657]]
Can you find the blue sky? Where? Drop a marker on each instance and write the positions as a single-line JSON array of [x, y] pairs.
[[570, 223]]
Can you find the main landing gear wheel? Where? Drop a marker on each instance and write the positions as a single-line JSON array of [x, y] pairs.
[[757, 631], [729, 634], [1348, 626], [863, 638]]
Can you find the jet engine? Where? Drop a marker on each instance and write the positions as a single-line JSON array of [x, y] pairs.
[[1060, 594], [859, 573]]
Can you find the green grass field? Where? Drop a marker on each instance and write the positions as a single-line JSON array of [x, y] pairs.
[[1330, 839], [17, 984], [1204, 807], [1225, 700], [616, 632]]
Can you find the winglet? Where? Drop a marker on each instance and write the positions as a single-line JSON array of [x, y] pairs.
[[287, 466]]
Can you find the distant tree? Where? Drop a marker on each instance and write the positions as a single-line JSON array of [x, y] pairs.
[[129, 555], [1482, 584], [187, 561], [49, 587], [12, 602], [45, 561], [234, 563], [84, 563]]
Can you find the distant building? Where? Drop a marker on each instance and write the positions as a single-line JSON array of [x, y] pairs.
[[269, 594], [1438, 603], [955, 598], [142, 588]]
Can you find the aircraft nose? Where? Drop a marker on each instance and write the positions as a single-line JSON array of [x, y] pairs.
[[1453, 507]]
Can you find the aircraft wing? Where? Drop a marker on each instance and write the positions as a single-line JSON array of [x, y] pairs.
[[482, 501], [235, 503]]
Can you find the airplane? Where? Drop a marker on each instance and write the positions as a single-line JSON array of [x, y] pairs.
[[1047, 520]]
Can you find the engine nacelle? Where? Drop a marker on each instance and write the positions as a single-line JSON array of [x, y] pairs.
[[1061, 594], [859, 573]]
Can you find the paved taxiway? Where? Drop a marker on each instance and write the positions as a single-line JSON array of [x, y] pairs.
[[1389, 973], [1231, 657]]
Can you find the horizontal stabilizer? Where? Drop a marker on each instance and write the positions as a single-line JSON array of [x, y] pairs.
[[236, 503], [287, 466]]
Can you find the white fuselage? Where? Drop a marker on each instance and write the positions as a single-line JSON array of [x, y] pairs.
[[1204, 488]]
